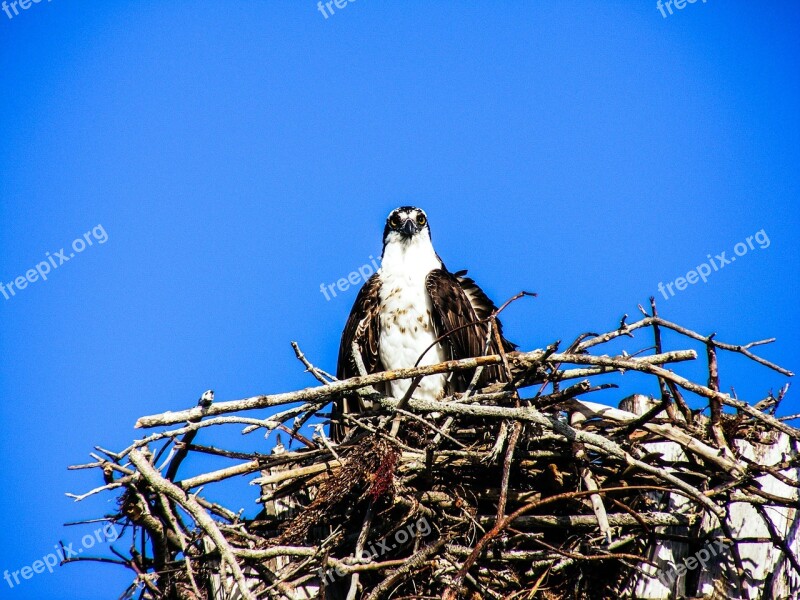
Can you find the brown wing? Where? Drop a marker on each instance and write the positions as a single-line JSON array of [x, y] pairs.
[[458, 303], [363, 327], [482, 304]]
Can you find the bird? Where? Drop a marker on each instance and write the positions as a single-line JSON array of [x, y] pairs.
[[207, 399], [411, 311]]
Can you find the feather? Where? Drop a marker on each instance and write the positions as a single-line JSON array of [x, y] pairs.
[[363, 328], [458, 305]]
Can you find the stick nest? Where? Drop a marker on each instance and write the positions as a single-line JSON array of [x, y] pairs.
[[519, 490]]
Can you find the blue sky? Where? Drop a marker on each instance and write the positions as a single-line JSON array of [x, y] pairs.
[[238, 155]]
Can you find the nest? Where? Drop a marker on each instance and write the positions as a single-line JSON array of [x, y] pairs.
[[518, 490]]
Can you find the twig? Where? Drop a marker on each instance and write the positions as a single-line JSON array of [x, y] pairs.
[[198, 513], [320, 375]]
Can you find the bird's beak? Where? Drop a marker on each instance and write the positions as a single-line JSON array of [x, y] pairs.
[[410, 227]]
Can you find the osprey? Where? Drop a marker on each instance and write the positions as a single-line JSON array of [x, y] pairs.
[[404, 308]]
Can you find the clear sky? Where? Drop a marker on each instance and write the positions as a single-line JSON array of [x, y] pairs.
[[233, 157]]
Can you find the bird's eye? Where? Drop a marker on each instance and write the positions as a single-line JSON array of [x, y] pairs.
[[395, 220], [421, 220]]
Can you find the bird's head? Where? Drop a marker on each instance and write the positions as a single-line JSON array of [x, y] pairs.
[[405, 223]]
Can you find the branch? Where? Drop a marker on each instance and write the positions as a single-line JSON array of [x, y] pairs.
[[157, 482]]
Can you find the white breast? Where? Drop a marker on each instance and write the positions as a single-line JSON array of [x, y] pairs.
[[407, 326]]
